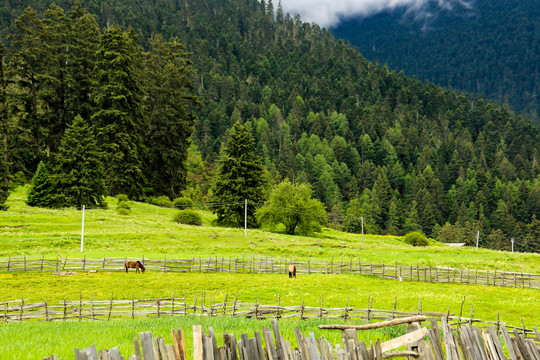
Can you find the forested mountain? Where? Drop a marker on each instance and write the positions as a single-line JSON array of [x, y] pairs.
[[490, 48], [373, 143]]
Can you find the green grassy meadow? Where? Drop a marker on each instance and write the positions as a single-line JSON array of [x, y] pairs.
[[149, 231]]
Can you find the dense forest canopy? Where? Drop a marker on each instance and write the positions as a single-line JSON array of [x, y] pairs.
[[372, 143], [490, 48]]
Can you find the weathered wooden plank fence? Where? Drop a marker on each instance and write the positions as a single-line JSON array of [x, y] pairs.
[[423, 343], [271, 265], [105, 310]]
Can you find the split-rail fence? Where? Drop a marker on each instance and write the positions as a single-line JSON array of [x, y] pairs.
[[105, 310], [270, 265]]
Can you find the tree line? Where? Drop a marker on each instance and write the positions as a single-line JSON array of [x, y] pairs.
[[97, 113], [369, 142]]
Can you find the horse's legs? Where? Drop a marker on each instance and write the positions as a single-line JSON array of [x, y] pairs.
[[126, 268], [290, 274]]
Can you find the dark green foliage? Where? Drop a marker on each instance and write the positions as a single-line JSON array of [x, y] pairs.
[[42, 192], [79, 172], [416, 239], [188, 217], [455, 47], [240, 176], [182, 203], [170, 115], [292, 206], [118, 120]]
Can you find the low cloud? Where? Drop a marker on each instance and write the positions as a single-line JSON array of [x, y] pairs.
[[328, 13]]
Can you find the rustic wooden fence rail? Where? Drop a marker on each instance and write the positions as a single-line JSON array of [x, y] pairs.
[[271, 265], [422, 343], [105, 310]]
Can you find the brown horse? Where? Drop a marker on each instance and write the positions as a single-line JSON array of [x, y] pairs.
[[292, 271], [134, 264]]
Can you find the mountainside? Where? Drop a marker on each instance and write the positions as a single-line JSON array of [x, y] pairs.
[[491, 49], [373, 143]]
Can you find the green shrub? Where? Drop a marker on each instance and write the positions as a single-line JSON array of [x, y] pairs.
[[122, 197], [183, 203], [162, 200], [123, 207], [123, 211], [416, 239], [188, 217]]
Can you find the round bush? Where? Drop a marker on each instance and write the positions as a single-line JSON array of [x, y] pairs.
[[123, 211], [123, 205], [182, 203], [188, 217], [122, 197], [162, 201], [416, 239]]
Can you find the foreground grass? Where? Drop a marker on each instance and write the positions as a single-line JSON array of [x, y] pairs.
[[149, 231], [334, 290], [41, 339]]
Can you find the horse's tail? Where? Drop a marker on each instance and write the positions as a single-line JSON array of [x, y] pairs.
[[126, 266]]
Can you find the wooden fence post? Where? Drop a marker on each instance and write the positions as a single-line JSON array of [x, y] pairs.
[[110, 308]]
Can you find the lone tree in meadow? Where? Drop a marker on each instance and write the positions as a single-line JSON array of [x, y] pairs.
[[240, 177], [292, 206]]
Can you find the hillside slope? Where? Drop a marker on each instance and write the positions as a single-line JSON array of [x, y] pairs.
[[491, 49]]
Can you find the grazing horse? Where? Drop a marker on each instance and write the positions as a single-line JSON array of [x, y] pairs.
[[134, 264], [292, 271]]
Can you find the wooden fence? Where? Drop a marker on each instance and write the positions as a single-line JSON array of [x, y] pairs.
[[271, 265], [105, 310], [422, 343]]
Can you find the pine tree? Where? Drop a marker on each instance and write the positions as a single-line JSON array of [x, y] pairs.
[[42, 191], [118, 120], [83, 38], [170, 115], [4, 171], [28, 58], [240, 176], [79, 170]]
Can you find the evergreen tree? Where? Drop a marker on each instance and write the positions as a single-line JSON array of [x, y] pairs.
[[42, 191], [170, 115], [240, 176], [4, 170], [118, 119], [79, 170], [83, 38]]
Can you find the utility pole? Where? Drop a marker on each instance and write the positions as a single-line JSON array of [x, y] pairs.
[[477, 238], [512, 244], [82, 230], [362, 218], [245, 219]]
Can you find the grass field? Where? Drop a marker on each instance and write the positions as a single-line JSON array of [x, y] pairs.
[[149, 231]]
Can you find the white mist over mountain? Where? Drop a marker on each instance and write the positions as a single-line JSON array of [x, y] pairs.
[[328, 13]]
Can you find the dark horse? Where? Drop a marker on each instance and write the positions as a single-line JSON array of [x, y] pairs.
[[292, 271], [134, 264]]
